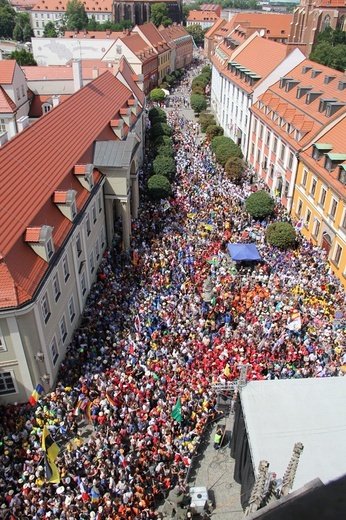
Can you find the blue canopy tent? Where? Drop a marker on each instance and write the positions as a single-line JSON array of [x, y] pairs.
[[243, 252]]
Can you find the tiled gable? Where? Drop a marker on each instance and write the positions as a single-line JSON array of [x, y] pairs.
[[7, 68], [6, 104]]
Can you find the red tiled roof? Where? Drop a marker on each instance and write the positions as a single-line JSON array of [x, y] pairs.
[[128, 74], [60, 197], [100, 6], [7, 71], [138, 46], [95, 35], [330, 3], [32, 234], [40, 160], [6, 104], [275, 25], [202, 16], [215, 27], [37, 102], [153, 36]]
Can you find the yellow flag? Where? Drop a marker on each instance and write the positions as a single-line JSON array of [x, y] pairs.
[[227, 370]]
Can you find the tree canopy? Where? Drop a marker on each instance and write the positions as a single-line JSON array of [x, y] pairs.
[[50, 30], [76, 16], [7, 19], [234, 169], [159, 187], [330, 49], [260, 204], [22, 57], [281, 235], [159, 15], [198, 103], [197, 33], [22, 31], [163, 165], [157, 95]]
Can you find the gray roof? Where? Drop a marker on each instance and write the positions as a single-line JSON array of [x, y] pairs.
[[115, 154]]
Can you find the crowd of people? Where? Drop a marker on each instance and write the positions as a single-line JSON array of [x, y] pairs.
[[137, 385]]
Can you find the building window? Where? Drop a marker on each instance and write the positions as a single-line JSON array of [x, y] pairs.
[[102, 237], [50, 249], [7, 385], [82, 283], [304, 178], [252, 149], [54, 351], [308, 218], [23, 91], [275, 144], [343, 225], [271, 171], [63, 330], [261, 132], [2, 126], [17, 93], [92, 262], [283, 151], [313, 187], [45, 308], [300, 207], [93, 212], [268, 138], [323, 197], [3, 347], [79, 244], [65, 268], [333, 207], [56, 287], [88, 228], [258, 155], [286, 189], [317, 227], [73, 209], [97, 249], [290, 160], [265, 163], [99, 203], [338, 253], [71, 310]]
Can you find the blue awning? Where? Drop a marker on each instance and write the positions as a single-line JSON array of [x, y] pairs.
[[240, 252]]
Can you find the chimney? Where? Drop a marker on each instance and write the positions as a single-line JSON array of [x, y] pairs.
[[56, 100], [22, 123], [128, 32], [77, 74], [108, 33], [95, 72], [3, 138]]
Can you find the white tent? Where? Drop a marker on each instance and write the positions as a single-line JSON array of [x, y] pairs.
[[312, 411]]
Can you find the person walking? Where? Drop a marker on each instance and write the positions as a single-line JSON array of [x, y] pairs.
[[217, 439]]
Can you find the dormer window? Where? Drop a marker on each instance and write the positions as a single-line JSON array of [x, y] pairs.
[[85, 175], [41, 241], [66, 202], [342, 174], [333, 159]]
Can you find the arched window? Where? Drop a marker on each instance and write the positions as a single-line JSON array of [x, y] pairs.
[[341, 23], [326, 22]]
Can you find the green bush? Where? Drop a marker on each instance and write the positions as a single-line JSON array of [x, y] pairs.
[[162, 140], [169, 79], [158, 119], [260, 204], [198, 90], [234, 169], [281, 235], [166, 151], [222, 153], [198, 103], [206, 119], [165, 166], [156, 112], [206, 71], [157, 95], [159, 187], [160, 129], [200, 80], [214, 131], [221, 139]]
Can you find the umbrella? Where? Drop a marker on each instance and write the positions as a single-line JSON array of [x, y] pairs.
[[167, 92]]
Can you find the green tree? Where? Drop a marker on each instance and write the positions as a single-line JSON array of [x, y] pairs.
[[206, 119], [76, 16], [160, 129], [222, 153], [197, 33], [164, 166], [157, 95], [22, 30], [221, 139], [234, 169], [281, 235], [159, 15], [330, 49], [159, 187], [186, 10], [200, 80], [198, 103], [93, 25], [162, 150], [22, 57], [50, 30], [206, 71], [214, 131], [162, 140], [156, 112], [7, 19], [260, 205]]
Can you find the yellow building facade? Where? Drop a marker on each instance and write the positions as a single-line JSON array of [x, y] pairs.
[[319, 200]]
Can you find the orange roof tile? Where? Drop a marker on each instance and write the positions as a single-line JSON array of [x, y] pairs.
[[60, 197], [214, 28], [94, 35], [138, 46], [275, 25], [202, 16], [330, 3], [37, 102], [40, 160], [128, 74], [8, 292], [100, 6], [150, 32], [7, 71], [32, 234], [6, 104]]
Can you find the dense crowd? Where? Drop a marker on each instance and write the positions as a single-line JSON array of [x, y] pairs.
[[150, 337]]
